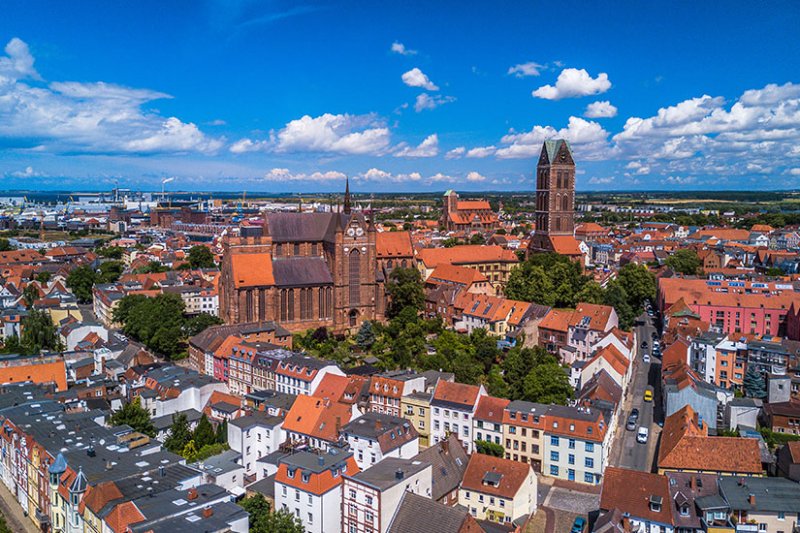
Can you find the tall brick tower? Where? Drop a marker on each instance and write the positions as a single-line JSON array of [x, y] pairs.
[[555, 199]]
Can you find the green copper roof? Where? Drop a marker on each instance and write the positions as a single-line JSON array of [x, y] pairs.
[[553, 146]]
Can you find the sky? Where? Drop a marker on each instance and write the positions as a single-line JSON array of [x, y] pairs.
[[269, 96]]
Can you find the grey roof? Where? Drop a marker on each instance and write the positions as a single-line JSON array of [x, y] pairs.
[[301, 271], [304, 227], [265, 486], [773, 494], [449, 461], [316, 462], [222, 515], [257, 418], [80, 484], [371, 425], [384, 474], [59, 466], [417, 514], [273, 399], [164, 422], [224, 462], [553, 146]]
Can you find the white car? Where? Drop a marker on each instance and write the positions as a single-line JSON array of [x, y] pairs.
[[646, 358], [641, 436]]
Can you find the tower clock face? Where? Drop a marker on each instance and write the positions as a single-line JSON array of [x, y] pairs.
[[351, 231], [359, 232]]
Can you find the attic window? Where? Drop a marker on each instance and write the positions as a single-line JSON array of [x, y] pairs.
[[492, 479], [572, 427], [655, 503]]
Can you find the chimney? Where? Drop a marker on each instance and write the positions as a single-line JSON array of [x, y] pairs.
[[90, 451], [109, 466], [320, 460], [693, 483], [751, 499], [192, 495], [399, 474], [207, 511], [162, 472], [338, 424]]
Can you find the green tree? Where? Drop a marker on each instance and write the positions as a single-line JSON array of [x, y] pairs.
[[134, 415], [110, 271], [126, 305], [496, 383], [365, 337], [190, 452], [222, 432], [487, 447], [477, 238], [39, 333], [617, 297], [684, 261], [405, 290], [450, 242], [517, 365], [548, 383], [201, 257], [263, 520], [179, 434], [753, 383], [30, 294], [485, 348], [530, 283], [5, 245], [591, 293], [80, 281], [200, 323], [111, 252], [157, 322], [204, 433], [639, 284], [43, 277], [153, 267]]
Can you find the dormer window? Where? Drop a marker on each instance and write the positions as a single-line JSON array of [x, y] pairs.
[[572, 427], [655, 503], [290, 472], [684, 510], [306, 477]]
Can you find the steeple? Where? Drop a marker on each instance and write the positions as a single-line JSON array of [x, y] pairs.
[[347, 197]]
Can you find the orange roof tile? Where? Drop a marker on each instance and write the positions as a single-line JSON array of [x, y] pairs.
[[556, 320], [332, 387], [614, 357], [491, 409], [393, 244], [122, 516], [37, 372], [565, 245], [317, 417], [473, 205], [456, 393], [630, 491], [598, 315], [512, 475], [456, 274], [252, 270], [466, 254], [318, 483]]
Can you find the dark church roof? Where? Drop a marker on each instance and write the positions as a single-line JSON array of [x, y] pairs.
[[304, 227], [301, 271]]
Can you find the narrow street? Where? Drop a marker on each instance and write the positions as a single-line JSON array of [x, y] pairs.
[[12, 512], [626, 451]]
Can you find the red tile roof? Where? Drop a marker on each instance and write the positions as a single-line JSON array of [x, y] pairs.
[[252, 270], [317, 417], [37, 372], [512, 475], [631, 491], [491, 409], [393, 244], [466, 254], [122, 516], [456, 393]]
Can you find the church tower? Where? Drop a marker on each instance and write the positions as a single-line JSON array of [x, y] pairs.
[[555, 195]]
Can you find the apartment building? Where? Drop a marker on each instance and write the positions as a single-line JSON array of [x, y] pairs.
[[523, 432], [452, 410], [497, 489], [576, 443]]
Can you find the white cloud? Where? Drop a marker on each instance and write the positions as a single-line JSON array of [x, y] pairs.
[[442, 178], [474, 177], [216, 122], [455, 153], [27, 172], [248, 145], [588, 138], [481, 151], [382, 176], [600, 109], [426, 101], [400, 48], [678, 180], [346, 134], [86, 117], [521, 70], [416, 78], [427, 148], [601, 181], [573, 83], [283, 174], [794, 172]]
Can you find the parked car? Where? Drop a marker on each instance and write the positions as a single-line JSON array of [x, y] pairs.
[[578, 525], [646, 358], [631, 424], [635, 413], [641, 436], [644, 345], [648, 394], [654, 335]]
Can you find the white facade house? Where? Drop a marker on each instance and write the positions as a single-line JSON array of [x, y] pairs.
[[374, 437], [309, 485], [452, 409], [576, 444], [301, 374], [370, 498], [255, 436]]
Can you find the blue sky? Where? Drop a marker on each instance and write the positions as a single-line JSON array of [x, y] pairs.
[[407, 96]]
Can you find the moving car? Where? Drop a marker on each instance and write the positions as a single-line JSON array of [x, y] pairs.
[[644, 345], [578, 525], [631, 424], [641, 436], [635, 413], [648, 394], [646, 358]]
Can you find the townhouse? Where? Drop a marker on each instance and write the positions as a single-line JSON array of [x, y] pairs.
[[452, 409], [316, 421], [387, 389], [488, 419], [500, 317], [416, 408], [610, 360], [768, 503], [371, 497], [494, 262], [203, 345], [498, 490], [254, 436], [641, 498], [375, 436], [449, 461], [309, 485], [573, 334], [301, 374], [576, 443], [523, 432], [720, 360]]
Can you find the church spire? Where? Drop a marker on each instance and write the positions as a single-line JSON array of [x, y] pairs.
[[347, 196]]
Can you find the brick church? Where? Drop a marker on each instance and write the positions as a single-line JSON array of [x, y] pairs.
[[304, 270], [467, 215], [555, 202]]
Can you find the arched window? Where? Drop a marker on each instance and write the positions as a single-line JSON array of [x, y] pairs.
[[303, 302], [353, 317], [403, 263], [355, 277], [328, 302], [321, 302], [290, 305], [565, 203], [283, 304]]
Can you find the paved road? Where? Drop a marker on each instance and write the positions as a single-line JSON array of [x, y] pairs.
[[12, 512], [628, 452]]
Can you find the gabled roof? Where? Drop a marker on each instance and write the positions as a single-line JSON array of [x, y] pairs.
[[495, 475], [301, 271], [252, 270], [317, 417], [490, 409], [390, 244], [449, 461], [417, 514], [466, 254], [632, 491], [458, 394]]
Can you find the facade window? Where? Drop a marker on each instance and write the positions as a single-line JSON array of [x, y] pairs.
[[553, 441], [589, 446], [588, 478], [355, 277], [571, 444], [571, 459], [553, 470], [290, 305], [589, 462], [554, 456]]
